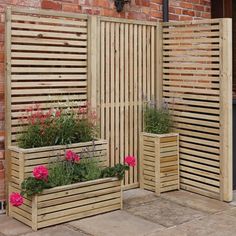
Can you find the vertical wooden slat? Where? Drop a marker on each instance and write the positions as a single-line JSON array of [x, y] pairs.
[[35, 212], [159, 65], [148, 63], [226, 110], [157, 166], [112, 94], [8, 127], [139, 82], [141, 174], [126, 138], [135, 88], [93, 73], [153, 63], [117, 92], [131, 98], [107, 121], [102, 80], [122, 79], [144, 59]]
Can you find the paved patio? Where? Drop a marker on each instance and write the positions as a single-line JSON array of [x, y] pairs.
[[177, 213]]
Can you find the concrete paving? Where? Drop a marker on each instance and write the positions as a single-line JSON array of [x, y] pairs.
[[177, 213], [116, 224]]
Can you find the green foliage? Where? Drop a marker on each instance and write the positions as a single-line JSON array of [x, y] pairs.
[[32, 186], [86, 130], [56, 128], [157, 121], [61, 173], [116, 171], [51, 131], [87, 169], [65, 129]]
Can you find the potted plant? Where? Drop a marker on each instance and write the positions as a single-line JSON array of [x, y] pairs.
[[46, 134], [67, 190], [159, 151]]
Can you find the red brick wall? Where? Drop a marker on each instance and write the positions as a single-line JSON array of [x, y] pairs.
[[137, 9]]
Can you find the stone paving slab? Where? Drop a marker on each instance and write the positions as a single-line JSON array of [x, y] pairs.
[[56, 231], [218, 224], [196, 201], [166, 213], [117, 223], [231, 212], [12, 227], [137, 196]]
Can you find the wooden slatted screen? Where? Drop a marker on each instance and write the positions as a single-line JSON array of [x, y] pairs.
[[47, 62], [66, 58], [197, 74], [127, 77]]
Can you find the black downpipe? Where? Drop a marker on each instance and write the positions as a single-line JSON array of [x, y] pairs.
[[165, 10]]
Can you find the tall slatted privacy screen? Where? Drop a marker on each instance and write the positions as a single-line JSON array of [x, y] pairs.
[[197, 86], [67, 59], [127, 76], [47, 62]]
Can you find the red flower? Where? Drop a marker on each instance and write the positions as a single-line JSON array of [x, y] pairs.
[[40, 172], [130, 161], [72, 156], [58, 113], [16, 199]]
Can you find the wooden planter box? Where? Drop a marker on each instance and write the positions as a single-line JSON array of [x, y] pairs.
[[159, 162], [66, 203], [23, 161]]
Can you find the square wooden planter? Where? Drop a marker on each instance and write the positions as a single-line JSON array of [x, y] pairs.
[[66, 203], [159, 162], [23, 161]]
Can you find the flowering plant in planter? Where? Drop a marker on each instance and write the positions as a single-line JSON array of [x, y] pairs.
[[157, 146], [57, 127], [157, 120], [72, 169]]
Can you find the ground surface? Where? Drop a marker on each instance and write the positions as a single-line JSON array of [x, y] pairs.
[[177, 213]]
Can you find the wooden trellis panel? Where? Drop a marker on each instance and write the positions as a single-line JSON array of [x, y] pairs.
[[47, 62], [197, 78], [128, 75]]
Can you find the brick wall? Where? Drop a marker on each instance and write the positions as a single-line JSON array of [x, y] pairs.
[[137, 9]]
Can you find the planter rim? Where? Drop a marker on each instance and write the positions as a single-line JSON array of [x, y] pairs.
[[55, 147], [160, 135], [77, 185]]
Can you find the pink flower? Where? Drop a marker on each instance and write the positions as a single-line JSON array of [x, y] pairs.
[[130, 161], [16, 199], [72, 156], [40, 172], [83, 110]]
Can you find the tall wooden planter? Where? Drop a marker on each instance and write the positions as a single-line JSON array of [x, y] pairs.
[[23, 161], [66, 203], [159, 162]]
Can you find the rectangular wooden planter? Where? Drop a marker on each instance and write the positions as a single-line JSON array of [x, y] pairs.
[[23, 161], [66, 203], [159, 162]]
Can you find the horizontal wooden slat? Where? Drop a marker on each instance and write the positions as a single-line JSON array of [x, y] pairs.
[[70, 29], [42, 41], [43, 34], [49, 20]]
